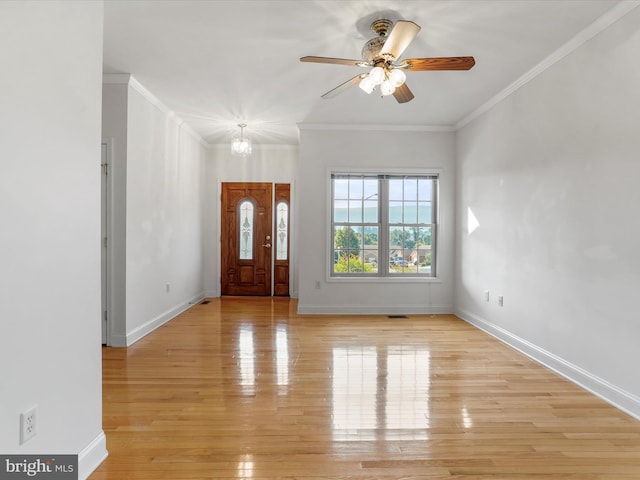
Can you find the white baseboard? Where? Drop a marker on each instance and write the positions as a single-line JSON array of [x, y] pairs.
[[160, 320], [118, 341], [373, 309], [92, 456], [612, 394]]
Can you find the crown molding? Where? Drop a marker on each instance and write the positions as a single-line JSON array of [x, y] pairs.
[[376, 127], [150, 97], [116, 78], [256, 146], [128, 79], [602, 23]]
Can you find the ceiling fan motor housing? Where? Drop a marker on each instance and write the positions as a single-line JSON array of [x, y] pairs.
[[371, 49]]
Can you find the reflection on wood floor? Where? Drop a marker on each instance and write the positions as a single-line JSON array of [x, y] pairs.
[[245, 388]]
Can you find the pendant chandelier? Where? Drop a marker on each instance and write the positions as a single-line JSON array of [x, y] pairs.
[[241, 145]]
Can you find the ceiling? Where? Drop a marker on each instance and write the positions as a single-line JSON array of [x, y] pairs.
[[218, 63]]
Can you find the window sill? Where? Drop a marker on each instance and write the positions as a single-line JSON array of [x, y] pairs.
[[389, 280]]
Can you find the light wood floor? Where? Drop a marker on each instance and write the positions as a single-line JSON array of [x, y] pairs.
[[245, 388]]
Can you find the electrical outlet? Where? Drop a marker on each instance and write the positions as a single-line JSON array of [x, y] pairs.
[[500, 301], [28, 424], [167, 287], [486, 295], [317, 284]]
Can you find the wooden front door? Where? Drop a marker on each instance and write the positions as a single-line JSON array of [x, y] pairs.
[[246, 243]]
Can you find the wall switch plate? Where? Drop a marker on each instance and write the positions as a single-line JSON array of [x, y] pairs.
[[28, 424], [486, 295], [500, 301]]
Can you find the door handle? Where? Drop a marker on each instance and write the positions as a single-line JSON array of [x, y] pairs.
[[267, 245]]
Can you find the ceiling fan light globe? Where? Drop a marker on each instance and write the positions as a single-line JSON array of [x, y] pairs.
[[366, 85], [397, 77], [387, 88], [377, 75]]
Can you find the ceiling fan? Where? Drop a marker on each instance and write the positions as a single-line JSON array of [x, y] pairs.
[[383, 53]]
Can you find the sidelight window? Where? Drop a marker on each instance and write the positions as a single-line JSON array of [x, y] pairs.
[[282, 233]]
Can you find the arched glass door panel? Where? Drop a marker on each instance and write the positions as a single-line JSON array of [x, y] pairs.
[[246, 230]]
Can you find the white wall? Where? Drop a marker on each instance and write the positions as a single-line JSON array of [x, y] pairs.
[[551, 173], [320, 151], [158, 187], [50, 352], [267, 163]]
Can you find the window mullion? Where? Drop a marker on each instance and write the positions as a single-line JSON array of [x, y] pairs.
[[383, 236]]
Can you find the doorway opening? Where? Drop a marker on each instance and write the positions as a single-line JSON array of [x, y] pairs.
[[105, 243]]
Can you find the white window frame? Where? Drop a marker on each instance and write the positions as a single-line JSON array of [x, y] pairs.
[[383, 225]]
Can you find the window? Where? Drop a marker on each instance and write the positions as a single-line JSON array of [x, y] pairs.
[[246, 230], [282, 231], [383, 225]]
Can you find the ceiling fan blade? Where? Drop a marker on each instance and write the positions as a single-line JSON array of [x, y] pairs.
[[443, 63], [337, 61], [344, 86], [402, 34], [403, 94]]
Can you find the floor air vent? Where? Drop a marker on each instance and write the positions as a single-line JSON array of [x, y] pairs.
[[397, 316], [206, 302]]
